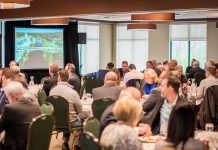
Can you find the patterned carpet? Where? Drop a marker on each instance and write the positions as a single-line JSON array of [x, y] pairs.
[[56, 144]]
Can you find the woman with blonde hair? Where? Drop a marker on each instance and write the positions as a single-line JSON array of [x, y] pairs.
[[150, 82], [122, 135]]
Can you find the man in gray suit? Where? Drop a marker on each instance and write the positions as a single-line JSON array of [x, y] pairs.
[[109, 89]]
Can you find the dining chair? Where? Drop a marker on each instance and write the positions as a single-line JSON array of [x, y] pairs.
[[42, 97], [47, 108], [99, 106], [40, 132], [89, 84], [61, 115], [89, 139]]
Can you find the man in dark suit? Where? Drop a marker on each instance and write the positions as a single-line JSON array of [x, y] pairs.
[[124, 69], [74, 80], [100, 74], [16, 117], [166, 99], [190, 67], [109, 89], [196, 68], [52, 80]]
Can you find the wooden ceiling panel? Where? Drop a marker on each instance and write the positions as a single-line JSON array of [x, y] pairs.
[[46, 8]]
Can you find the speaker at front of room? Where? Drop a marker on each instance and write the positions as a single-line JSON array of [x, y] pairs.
[[81, 38]]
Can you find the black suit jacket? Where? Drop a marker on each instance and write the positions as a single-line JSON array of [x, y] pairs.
[[193, 71], [74, 80], [107, 118], [49, 83], [15, 120]]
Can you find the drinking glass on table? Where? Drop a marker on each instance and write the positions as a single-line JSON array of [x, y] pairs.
[[31, 80], [209, 127]]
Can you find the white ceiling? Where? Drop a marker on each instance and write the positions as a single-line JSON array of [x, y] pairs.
[[184, 15]]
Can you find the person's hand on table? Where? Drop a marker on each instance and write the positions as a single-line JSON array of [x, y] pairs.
[[145, 97], [144, 129]]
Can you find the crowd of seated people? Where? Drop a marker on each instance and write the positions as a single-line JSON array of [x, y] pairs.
[[164, 94], [148, 110]]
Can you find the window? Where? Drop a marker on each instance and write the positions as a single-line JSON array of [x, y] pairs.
[[188, 41], [132, 46], [89, 52]]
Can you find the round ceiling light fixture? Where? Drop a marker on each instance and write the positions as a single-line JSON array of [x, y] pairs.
[[50, 21], [140, 26], [155, 17], [14, 4]]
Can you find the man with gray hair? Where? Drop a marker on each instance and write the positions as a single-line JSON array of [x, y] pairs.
[[196, 68], [74, 80], [109, 89], [16, 116]]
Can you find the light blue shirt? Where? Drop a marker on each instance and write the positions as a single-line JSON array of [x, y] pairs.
[[165, 111]]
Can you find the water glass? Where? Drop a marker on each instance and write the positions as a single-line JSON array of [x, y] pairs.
[[209, 127]]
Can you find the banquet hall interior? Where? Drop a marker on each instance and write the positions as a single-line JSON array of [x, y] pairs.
[[109, 75]]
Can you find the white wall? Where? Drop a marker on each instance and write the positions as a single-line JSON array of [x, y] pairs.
[[158, 46], [158, 43], [212, 41], [105, 44]]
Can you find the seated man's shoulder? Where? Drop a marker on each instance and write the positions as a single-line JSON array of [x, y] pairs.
[[97, 89]]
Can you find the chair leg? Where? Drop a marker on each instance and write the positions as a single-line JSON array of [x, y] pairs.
[[74, 136]]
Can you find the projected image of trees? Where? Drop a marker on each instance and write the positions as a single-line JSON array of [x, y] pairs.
[[42, 45]]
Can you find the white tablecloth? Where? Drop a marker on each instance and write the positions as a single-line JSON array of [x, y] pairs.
[[209, 137], [87, 106], [34, 89]]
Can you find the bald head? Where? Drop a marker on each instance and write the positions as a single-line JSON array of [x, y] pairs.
[[130, 92], [110, 77]]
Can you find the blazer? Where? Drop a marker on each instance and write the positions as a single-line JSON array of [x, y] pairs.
[[154, 117], [154, 96], [191, 73], [142, 84], [107, 91], [74, 80], [100, 74], [3, 99], [15, 120], [49, 83], [107, 118], [209, 107]]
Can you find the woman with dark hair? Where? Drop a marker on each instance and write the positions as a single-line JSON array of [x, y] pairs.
[[181, 129]]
